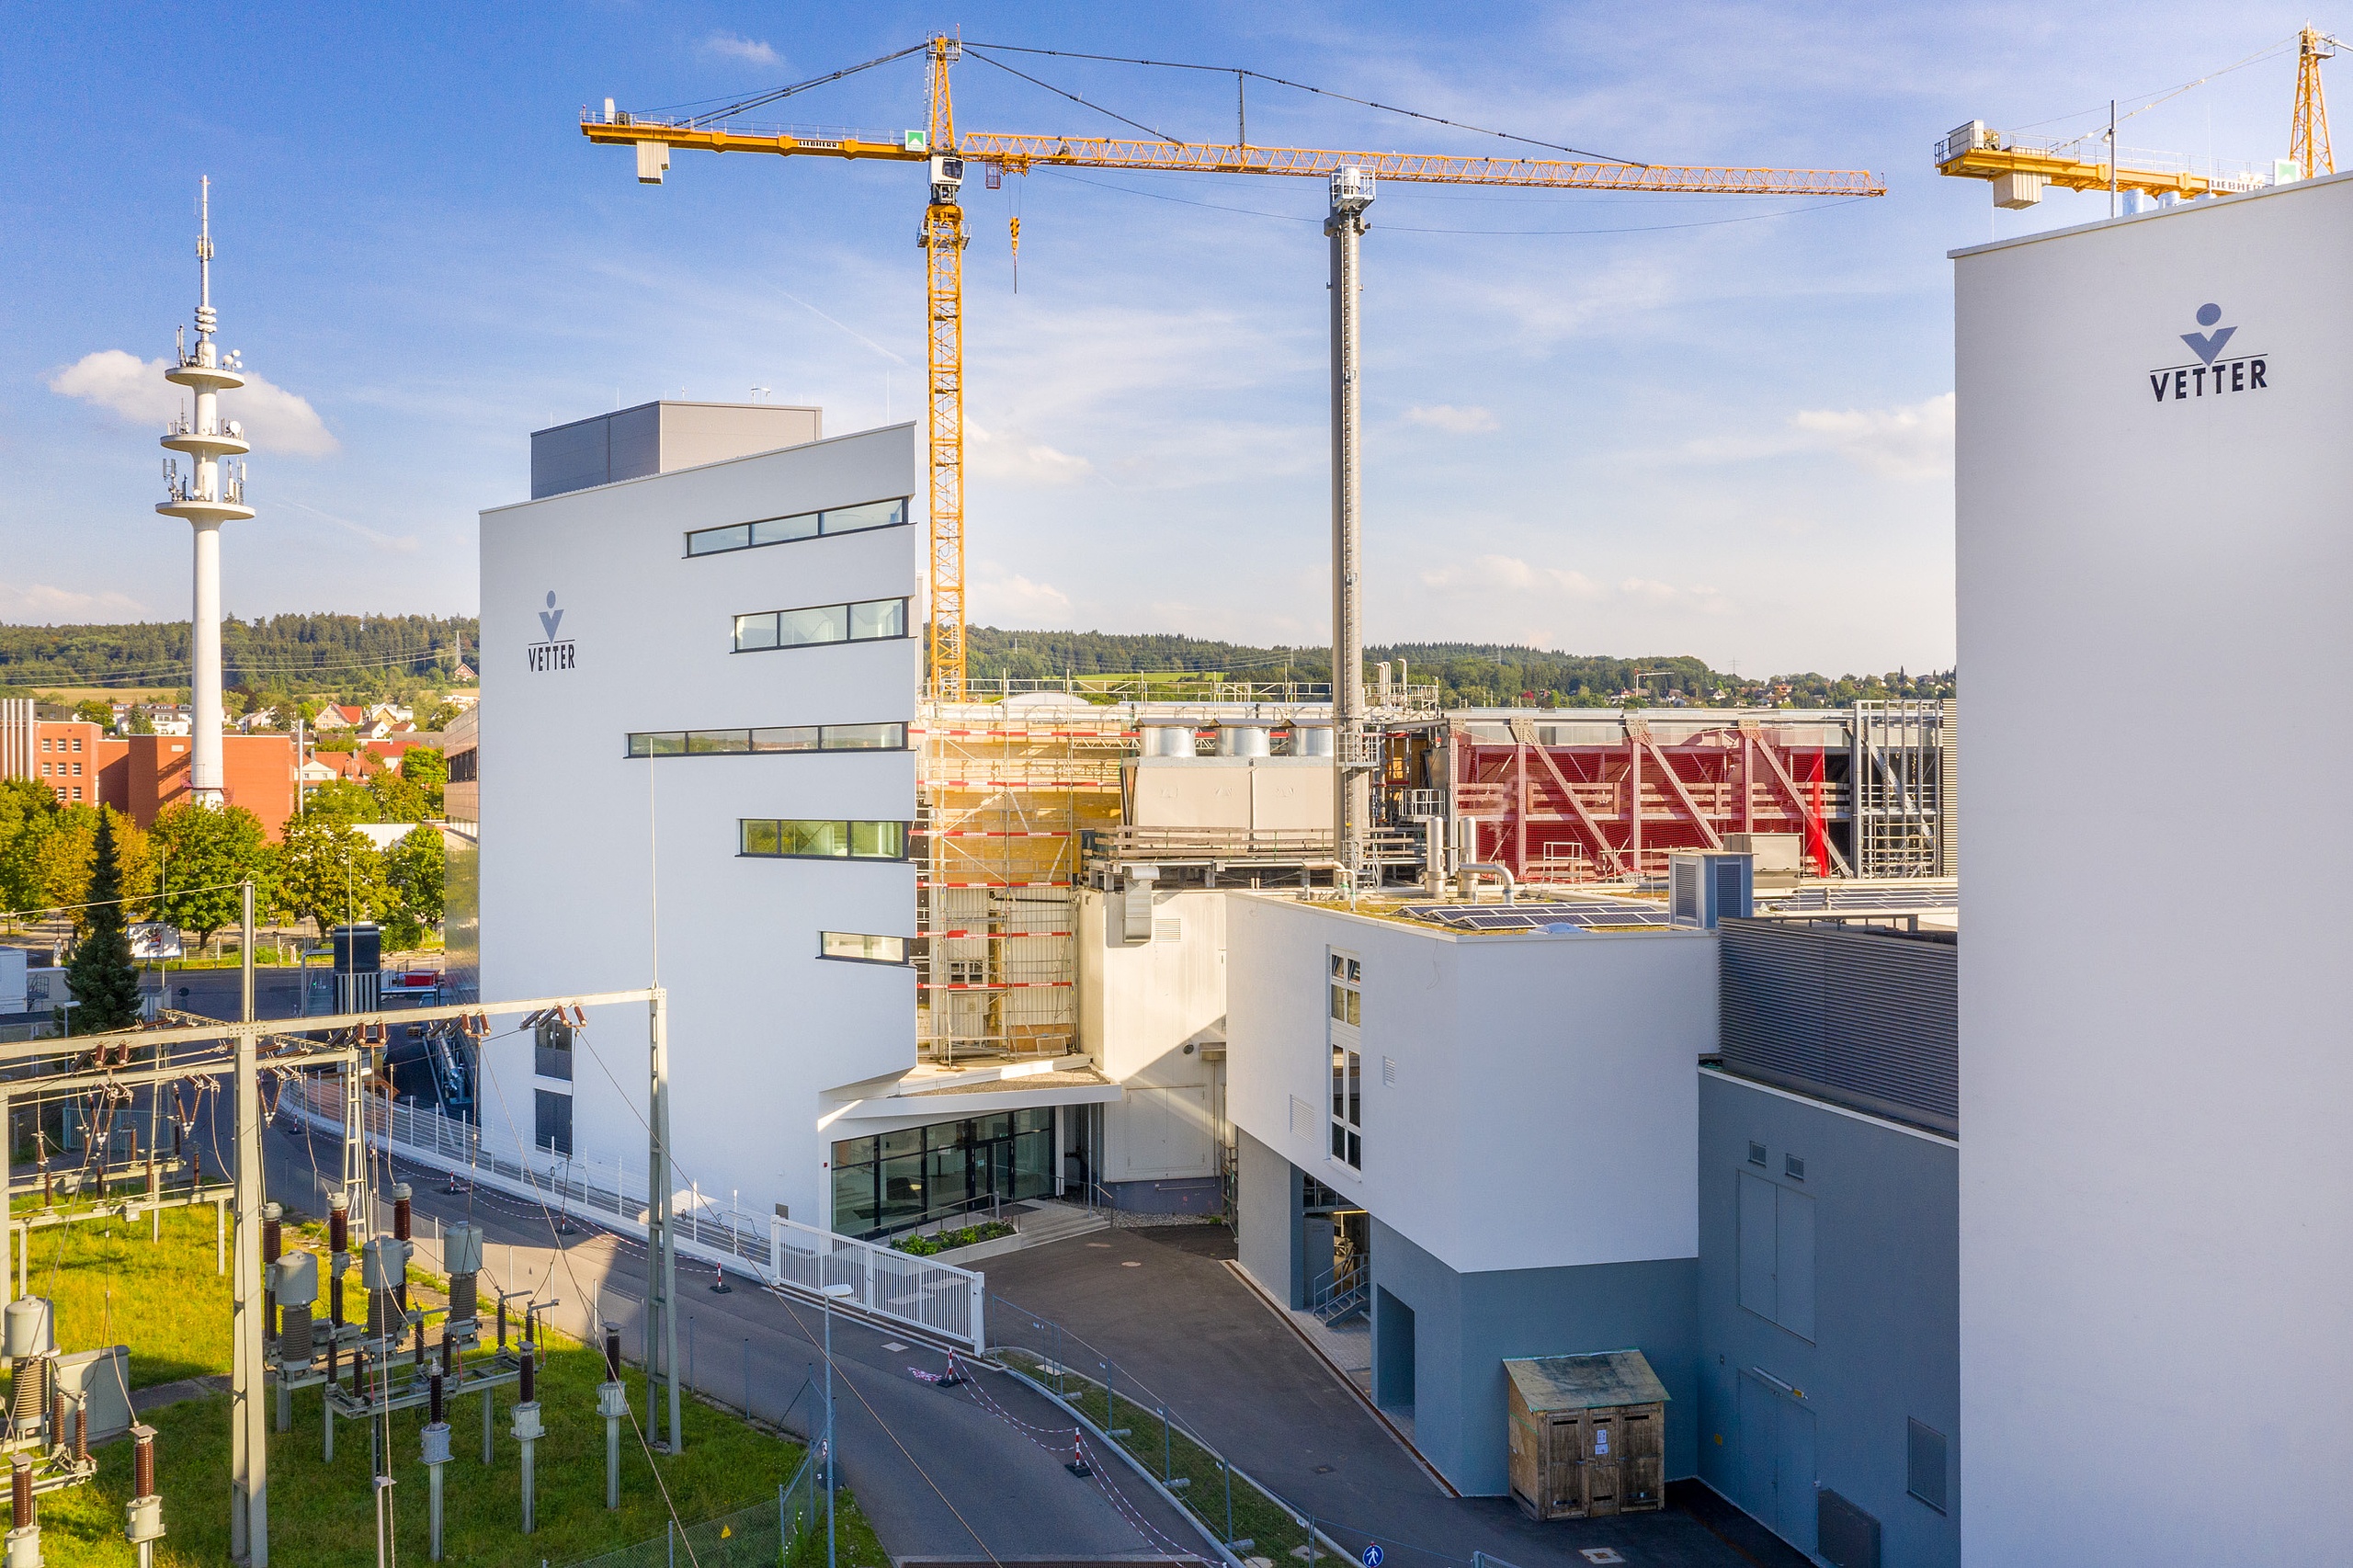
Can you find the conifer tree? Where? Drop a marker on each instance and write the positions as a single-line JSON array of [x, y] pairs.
[[101, 975]]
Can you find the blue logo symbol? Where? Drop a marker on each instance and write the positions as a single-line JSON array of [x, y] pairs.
[[2205, 345], [552, 618], [1373, 1555]]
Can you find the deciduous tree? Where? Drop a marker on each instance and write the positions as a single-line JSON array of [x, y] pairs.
[[206, 852]]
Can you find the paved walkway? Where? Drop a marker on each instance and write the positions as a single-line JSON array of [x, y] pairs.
[[1160, 1301]]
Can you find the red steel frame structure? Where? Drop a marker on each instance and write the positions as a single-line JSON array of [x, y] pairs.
[[1611, 809]]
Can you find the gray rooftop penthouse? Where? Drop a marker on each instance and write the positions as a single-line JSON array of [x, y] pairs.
[[658, 438]]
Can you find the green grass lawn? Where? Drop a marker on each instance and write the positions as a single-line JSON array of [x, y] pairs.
[[113, 1286]]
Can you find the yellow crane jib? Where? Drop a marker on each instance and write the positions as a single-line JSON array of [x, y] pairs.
[[943, 236]]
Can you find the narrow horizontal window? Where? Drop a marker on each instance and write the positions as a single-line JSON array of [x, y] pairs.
[[866, 737], [866, 621], [824, 839], [862, 950], [710, 542], [791, 738], [877, 617], [799, 525], [826, 623], [784, 530]]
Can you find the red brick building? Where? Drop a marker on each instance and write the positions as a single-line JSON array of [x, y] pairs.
[[141, 774]]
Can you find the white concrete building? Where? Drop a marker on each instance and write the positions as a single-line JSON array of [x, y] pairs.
[[1506, 1122], [694, 765], [2154, 1200]]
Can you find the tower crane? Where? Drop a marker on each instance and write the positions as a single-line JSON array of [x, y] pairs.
[[2022, 168], [943, 236], [1352, 178]]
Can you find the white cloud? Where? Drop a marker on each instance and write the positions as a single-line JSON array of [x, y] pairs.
[[751, 50], [1507, 574], [1022, 462], [1001, 598], [1908, 441], [1465, 421], [41, 604], [275, 420]]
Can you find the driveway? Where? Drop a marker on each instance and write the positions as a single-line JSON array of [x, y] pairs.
[[1160, 1303]]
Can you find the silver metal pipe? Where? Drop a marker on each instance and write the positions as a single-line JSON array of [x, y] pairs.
[[1469, 870]]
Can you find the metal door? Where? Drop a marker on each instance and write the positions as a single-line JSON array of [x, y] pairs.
[[1793, 1482]]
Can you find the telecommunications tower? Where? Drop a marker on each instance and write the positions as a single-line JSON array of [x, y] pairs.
[[214, 494]]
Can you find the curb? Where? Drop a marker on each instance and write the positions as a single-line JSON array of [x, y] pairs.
[[1347, 1381], [1222, 1552]]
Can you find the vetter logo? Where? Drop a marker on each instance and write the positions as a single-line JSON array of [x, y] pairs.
[[2213, 375], [551, 654]]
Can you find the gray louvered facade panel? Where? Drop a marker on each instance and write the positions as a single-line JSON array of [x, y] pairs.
[[1864, 1018]]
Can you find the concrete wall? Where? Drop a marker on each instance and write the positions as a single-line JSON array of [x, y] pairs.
[[1153, 1016], [2155, 1196], [572, 828], [1885, 1341], [1266, 1221], [1528, 1100], [1466, 1325]]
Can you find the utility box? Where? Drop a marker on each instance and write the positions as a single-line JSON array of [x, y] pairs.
[[1588, 1435]]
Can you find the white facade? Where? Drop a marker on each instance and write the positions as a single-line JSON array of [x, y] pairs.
[[578, 837], [1153, 1017], [1504, 1076], [2155, 1198]]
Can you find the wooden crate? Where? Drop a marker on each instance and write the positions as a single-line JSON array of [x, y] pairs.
[[1587, 1435]]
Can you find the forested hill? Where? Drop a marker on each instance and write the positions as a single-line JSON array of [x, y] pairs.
[[1469, 674], [352, 655]]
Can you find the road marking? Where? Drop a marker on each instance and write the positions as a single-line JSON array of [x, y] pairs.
[[893, 1347]]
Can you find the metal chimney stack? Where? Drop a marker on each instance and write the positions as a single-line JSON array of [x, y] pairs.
[[1351, 772]]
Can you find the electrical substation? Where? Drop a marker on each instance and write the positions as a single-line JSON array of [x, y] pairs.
[[113, 1120]]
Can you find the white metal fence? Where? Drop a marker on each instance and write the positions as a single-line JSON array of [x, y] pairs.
[[923, 1292]]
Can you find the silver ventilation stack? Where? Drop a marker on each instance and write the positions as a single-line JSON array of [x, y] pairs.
[[1352, 774]]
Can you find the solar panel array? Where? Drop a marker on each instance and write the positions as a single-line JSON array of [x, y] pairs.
[[1583, 914]]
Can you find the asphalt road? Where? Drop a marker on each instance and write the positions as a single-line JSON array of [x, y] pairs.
[[939, 1473], [1159, 1302]]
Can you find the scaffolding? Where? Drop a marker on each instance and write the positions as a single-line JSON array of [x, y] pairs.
[[1005, 799], [1897, 789]]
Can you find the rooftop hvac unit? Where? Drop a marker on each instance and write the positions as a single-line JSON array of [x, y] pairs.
[[1704, 888]]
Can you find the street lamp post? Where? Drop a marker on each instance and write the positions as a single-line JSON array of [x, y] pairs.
[[832, 1293]]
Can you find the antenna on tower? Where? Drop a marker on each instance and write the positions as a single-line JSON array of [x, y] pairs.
[[204, 317]]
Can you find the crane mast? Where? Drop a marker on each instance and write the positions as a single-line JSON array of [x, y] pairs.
[[943, 242]]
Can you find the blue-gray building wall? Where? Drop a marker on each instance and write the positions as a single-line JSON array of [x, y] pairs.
[[1465, 1325], [1884, 1309], [1268, 1238]]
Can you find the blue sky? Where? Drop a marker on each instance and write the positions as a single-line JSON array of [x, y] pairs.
[[1632, 425]]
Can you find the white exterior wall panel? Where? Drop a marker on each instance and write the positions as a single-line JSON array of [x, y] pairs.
[[2154, 1074], [759, 1026], [1543, 1111]]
